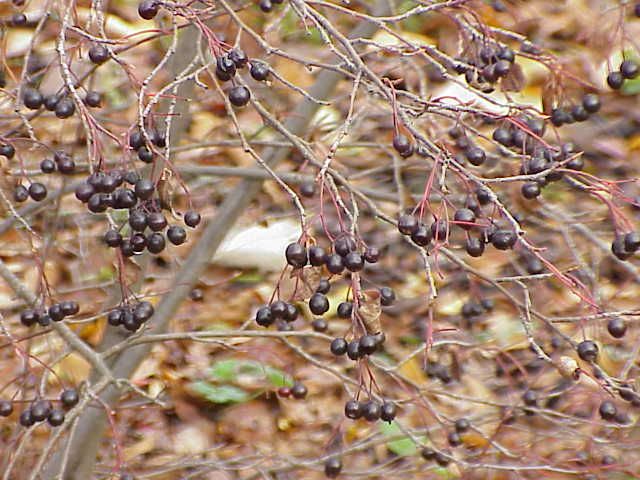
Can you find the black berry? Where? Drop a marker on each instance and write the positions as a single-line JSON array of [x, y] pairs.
[[239, 96], [338, 346], [296, 255], [176, 235], [588, 350], [98, 53]]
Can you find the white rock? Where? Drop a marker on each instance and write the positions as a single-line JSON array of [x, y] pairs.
[[258, 246]]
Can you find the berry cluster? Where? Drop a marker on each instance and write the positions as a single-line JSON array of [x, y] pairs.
[[484, 67], [102, 191], [371, 410], [579, 112], [628, 70], [131, 317], [41, 410], [298, 391], [55, 313]]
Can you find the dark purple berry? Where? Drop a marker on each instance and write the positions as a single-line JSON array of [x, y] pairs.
[[296, 255]]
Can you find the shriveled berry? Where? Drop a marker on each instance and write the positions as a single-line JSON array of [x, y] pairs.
[[428, 453], [588, 350], [403, 145], [608, 410], [503, 239], [238, 57], [20, 194], [387, 296], [308, 189], [371, 255], [422, 235], [225, 68]]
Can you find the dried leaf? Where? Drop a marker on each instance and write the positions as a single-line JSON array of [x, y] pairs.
[[370, 311], [515, 80]]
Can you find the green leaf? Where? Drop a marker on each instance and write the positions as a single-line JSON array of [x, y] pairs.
[[220, 393], [249, 277], [277, 377], [230, 370], [403, 447]]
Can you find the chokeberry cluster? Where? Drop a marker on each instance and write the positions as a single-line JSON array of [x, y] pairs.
[[55, 313], [41, 410], [131, 317]]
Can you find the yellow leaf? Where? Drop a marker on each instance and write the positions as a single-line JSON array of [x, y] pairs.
[[73, 369], [413, 371]]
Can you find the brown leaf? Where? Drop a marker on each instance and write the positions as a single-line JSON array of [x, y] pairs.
[[515, 80], [370, 311]]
